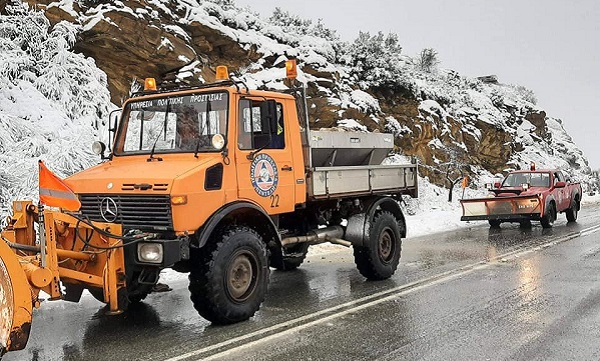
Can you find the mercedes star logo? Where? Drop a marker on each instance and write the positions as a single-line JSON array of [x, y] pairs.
[[108, 209]]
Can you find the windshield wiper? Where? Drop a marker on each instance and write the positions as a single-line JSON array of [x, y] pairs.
[[197, 147], [206, 124], [162, 129], [151, 158]]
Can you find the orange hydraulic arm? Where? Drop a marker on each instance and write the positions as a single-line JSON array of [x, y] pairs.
[[72, 251]]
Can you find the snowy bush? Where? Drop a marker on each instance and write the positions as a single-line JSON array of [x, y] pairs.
[[376, 60], [296, 25], [526, 94], [428, 60]]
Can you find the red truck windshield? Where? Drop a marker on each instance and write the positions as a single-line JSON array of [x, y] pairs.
[[531, 179]]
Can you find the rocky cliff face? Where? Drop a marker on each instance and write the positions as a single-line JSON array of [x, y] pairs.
[[138, 39], [453, 125]]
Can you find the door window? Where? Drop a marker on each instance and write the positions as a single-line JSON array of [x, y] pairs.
[[255, 130]]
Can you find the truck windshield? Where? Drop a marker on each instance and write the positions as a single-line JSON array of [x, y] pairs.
[[531, 179], [173, 124]]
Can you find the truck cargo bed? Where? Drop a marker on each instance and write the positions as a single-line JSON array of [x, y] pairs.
[[331, 182], [349, 163]]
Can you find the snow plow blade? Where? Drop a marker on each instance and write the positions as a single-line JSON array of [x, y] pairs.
[[15, 302], [502, 208]]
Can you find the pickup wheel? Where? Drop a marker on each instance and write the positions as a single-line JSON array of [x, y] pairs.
[[292, 257], [229, 277], [494, 223], [380, 255], [525, 224], [549, 216], [572, 212]]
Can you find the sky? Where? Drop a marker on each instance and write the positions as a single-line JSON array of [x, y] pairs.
[[549, 46]]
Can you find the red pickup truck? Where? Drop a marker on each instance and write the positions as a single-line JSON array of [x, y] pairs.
[[527, 195]]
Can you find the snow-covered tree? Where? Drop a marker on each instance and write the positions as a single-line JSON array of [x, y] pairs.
[[52, 102], [428, 60], [376, 60]]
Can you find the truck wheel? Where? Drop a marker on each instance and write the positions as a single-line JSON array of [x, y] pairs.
[[379, 257], [494, 223], [572, 212], [136, 293], [292, 257], [229, 278], [525, 224], [549, 217]]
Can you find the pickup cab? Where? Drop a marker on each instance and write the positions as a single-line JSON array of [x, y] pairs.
[[527, 195]]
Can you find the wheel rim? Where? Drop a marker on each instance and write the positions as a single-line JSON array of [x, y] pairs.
[[241, 274], [386, 245]]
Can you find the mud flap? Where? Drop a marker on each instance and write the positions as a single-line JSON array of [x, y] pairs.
[[15, 302]]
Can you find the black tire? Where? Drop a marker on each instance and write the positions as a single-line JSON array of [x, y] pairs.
[[136, 292], [378, 259], [549, 216], [494, 223], [525, 224], [229, 276], [572, 212], [292, 257]]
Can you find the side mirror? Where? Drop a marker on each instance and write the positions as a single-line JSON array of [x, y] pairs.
[[268, 111], [560, 184], [497, 185], [113, 119]]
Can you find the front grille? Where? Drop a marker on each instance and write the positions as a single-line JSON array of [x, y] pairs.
[[145, 186], [142, 212]]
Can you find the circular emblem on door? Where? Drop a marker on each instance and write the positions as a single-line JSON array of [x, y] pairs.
[[108, 209], [264, 176]]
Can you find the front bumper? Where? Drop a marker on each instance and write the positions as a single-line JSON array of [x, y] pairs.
[[504, 217]]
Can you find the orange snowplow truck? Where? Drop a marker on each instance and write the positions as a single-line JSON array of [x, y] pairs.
[[217, 181]]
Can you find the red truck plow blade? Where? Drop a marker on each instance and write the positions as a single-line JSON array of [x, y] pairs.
[[502, 208]]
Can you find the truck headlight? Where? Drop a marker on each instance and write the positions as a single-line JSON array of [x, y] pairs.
[[98, 148], [218, 141], [150, 252]]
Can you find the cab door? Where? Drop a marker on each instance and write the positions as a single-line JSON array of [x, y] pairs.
[[263, 155], [563, 201]]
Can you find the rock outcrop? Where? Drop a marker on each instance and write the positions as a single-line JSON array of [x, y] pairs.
[[134, 40]]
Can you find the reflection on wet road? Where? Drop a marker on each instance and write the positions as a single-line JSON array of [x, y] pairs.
[[472, 294]]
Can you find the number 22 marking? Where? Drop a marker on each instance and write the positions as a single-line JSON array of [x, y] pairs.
[[274, 200]]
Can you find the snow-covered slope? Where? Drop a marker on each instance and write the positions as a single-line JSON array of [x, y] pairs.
[[53, 101]]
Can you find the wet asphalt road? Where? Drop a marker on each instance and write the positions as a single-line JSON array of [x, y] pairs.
[[474, 294]]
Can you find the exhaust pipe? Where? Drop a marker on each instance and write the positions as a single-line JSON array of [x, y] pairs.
[[333, 234]]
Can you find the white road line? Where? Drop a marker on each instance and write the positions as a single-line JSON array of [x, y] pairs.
[[368, 301], [590, 230]]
